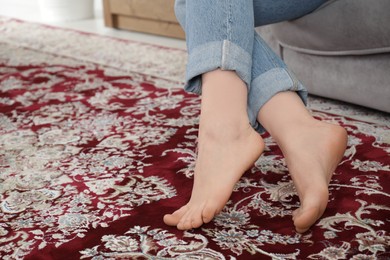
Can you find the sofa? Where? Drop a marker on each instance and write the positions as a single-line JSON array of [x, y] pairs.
[[340, 51]]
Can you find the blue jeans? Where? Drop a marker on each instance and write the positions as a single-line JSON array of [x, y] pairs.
[[221, 34]]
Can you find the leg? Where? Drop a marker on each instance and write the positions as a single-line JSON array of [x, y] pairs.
[[274, 11], [208, 50], [312, 148], [227, 144], [227, 147]]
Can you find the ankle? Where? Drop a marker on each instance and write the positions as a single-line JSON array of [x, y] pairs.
[[290, 130], [220, 129], [283, 111], [224, 95]]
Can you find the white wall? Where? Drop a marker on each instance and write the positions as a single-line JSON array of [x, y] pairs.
[[22, 9], [29, 9]]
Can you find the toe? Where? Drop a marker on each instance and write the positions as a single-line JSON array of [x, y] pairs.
[[295, 213], [184, 224], [196, 222], [208, 213], [191, 219], [301, 230], [304, 219], [174, 218]]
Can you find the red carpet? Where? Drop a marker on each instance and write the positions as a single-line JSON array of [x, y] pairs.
[[93, 152]]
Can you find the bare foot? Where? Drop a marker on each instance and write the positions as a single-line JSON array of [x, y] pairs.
[[312, 149], [312, 153], [222, 159], [227, 147]]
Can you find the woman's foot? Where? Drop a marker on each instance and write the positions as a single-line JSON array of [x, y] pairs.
[[227, 147], [312, 149], [312, 154], [223, 156]]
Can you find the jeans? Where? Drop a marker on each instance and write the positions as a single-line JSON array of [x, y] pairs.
[[221, 34]]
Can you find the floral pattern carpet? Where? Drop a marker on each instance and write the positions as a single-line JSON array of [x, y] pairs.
[[97, 143]]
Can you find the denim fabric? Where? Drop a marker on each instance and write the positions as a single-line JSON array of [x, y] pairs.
[[221, 34]]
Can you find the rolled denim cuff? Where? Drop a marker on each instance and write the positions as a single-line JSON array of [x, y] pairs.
[[213, 55], [268, 84]]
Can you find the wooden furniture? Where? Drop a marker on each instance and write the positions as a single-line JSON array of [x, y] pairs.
[[149, 16]]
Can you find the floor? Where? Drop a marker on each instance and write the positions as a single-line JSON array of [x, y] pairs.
[[29, 10], [96, 25]]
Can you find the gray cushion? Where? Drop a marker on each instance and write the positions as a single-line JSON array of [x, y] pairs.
[[340, 27], [340, 51], [362, 80]]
